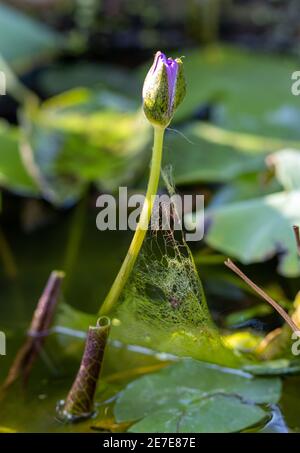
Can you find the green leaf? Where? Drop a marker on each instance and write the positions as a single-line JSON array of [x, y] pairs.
[[255, 230], [241, 316], [207, 416], [70, 327], [22, 39], [62, 77], [203, 152], [287, 167], [246, 187], [84, 136], [73, 319], [13, 175], [193, 396], [195, 157], [250, 92], [274, 367]]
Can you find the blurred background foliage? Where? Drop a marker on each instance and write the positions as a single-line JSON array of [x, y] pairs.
[[71, 127]]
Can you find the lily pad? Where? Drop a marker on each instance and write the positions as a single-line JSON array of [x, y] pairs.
[[209, 415], [193, 396], [274, 367]]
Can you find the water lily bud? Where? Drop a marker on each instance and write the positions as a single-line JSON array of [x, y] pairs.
[[164, 89]]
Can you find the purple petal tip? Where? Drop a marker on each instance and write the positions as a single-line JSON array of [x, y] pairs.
[[172, 68]]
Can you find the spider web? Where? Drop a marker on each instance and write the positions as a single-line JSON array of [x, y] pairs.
[[163, 306]]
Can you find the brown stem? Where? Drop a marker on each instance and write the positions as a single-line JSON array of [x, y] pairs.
[[40, 324], [80, 400], [262, 294], [297, 237]]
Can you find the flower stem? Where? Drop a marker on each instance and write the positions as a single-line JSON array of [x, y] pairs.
[[142, 225]]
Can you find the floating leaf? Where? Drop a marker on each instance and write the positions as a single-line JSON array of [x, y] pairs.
[[193, 396], [277, 424], [274, 367], [207, 416]]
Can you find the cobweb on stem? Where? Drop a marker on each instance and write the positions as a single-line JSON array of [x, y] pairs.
[[163, 306]]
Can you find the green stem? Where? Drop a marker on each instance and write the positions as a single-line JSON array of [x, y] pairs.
[[74, 241], [142, 226]]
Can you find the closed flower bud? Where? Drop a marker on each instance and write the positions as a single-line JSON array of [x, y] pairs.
[[164, 89]]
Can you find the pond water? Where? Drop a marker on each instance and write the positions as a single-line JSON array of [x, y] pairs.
[[92, 262]]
